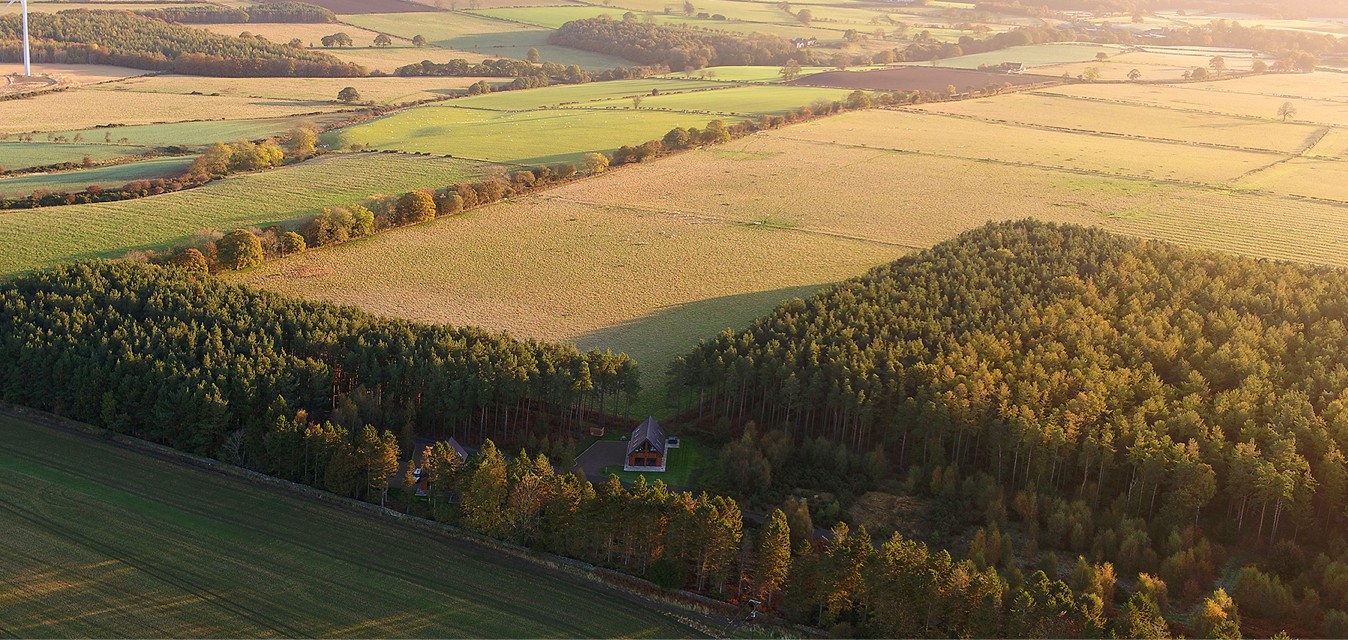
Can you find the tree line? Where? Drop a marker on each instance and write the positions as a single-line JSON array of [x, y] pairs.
[[1136, 402], [81, 36], [285, 11]]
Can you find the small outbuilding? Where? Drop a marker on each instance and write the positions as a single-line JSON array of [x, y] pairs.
[[424, 479], [647, 448]]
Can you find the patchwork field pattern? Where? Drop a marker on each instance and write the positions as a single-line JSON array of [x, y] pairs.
[[104, 541], [83, 109], [37, 238], [485, 36], [651, 258]]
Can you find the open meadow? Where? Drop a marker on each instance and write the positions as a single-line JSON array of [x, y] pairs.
[[650, 258], [110, 176], [23, 155], [387, 90], [485, 36], [562, 123], [104, 541], [36, 238], [85, 109]]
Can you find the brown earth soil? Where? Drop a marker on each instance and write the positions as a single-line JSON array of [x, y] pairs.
[[914, 79]]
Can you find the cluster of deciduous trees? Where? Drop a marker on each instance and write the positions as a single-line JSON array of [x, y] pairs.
[[189, 361], [535, 75], [1109, 394], [126, 39], [675, 47], [284, 11]]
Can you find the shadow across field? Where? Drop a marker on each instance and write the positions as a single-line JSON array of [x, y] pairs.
[[657, 338]]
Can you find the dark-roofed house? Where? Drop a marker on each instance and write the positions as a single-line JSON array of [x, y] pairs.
[[647, 447], [424, 479]]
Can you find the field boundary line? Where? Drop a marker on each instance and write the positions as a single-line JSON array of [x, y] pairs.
[[699, 613], [1089, 132], [1148, 105]]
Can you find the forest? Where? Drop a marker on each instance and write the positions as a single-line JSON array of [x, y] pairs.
[[675, 47], [1159, 408], [81, 36], [283, 11], [189, 361]]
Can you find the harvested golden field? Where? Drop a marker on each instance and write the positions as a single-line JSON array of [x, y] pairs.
[[926, 133], [85, 108], [1198, 98], [1322, 86], [1137, 121], [1333, 145], [68, 75], [389, 90], [1314, 178]]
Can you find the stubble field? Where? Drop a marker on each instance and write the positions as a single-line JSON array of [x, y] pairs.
[[102, 541]]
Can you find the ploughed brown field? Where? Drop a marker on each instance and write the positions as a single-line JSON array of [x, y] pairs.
[[915, 79], [372, 6]]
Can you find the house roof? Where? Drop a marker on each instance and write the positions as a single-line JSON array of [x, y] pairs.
[[649, 431]]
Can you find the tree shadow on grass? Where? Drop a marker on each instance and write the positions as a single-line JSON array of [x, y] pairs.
[[659, 337]]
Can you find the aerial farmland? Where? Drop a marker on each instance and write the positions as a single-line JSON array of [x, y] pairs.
[[338, 318]]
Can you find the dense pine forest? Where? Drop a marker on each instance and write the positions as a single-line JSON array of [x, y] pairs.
[[1136, 403], [81, 36], [674, 47], [194, 363]]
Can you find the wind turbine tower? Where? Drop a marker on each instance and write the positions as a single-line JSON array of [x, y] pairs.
[[23, 6]]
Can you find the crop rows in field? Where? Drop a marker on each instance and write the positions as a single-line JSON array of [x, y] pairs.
[[103, 541], [107, 177], [31, 239]]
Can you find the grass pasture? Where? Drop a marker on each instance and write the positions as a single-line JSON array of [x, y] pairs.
[[42, 237], [109, 176], [388, 90], [85, 109], [580, 94], [103, 541], [736, 102], [199, 133], [523, 137], [468, 32], [549, 17], [23, 155]]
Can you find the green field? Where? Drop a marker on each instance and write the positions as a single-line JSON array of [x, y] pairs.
[[514, 137], [578, 94], [389, 90], [684, 464], [549, 17], [22, 155], [42, 237], [744, 73], [106, 177], [744, 102], [103, 541], [202, 133], [1038, 55], [459, 30]]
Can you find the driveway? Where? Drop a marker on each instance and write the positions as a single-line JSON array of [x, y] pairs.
[[601, 454]]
